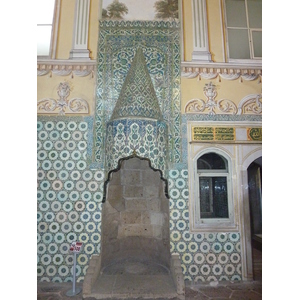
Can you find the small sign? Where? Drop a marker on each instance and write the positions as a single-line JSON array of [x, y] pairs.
[[75, 247], [200, 133], [254, 134]]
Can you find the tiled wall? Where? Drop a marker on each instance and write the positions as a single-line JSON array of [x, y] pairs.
[[69, 196], [117, 46], [205, 256]]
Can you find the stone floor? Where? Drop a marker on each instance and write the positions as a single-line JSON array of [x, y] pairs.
[[221, 291], [248, 290]]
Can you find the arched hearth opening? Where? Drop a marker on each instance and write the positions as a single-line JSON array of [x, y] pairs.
[[135, 217]]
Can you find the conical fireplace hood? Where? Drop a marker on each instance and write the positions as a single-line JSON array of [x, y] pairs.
[[137, 97]]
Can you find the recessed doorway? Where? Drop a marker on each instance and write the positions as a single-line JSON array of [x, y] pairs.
[[255, 204]]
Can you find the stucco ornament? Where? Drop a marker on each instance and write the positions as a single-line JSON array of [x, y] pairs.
[[249, 105], [211, 104], [63, 105]]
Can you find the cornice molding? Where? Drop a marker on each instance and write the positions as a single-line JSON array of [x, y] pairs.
[[227, 71], [189, 69], [65, 67]]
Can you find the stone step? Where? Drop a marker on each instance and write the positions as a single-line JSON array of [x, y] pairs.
[[133, 287]]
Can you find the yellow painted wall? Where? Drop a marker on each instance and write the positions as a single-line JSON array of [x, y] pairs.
[[214, 24], [187, 29], [65, 29], [93, 28]]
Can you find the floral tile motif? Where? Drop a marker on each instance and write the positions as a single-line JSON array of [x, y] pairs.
[[118, 44]]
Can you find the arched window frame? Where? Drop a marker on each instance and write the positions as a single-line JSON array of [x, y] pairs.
[[213, 224]]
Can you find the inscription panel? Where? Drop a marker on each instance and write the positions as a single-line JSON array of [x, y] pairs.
[[200, 133]]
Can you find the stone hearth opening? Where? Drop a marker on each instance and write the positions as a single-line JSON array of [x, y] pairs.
[[135, 218], [135, 259]]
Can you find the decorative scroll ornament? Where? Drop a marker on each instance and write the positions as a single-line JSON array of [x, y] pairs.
[[210, 105], [63, 105], [249, 105]]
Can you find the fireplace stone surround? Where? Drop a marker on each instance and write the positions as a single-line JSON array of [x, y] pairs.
[[135, 259]]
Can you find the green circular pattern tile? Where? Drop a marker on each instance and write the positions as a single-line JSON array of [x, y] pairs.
[[204, 247], [63, 271], [72, 126], [51, 270], [49, 216], [40, 195], [66, 227], [56, 206], [211, 258], [76, 135], [99, 175], [78, 227], [193, 269], [89, 248], [59, 145], [83, 259], [90, 227], [96, 217], [54, 135], [73, 216], [60, 125], [58, 259], [48, 145], [52, 248], [229, 269], [61, 217], [49, 126], [43, 135], [41, 248], [187, 258], [217, 269], [74, 195], [71, 145], [205, 269], [59, 237], [69, 165], [64, 247], [228, 247]]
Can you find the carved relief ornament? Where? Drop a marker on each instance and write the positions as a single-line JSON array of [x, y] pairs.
[[251, 104], [63, 105]]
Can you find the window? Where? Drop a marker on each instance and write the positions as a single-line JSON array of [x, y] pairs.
[[213, 173], [45, 19], [213, 203], [244, 29]]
